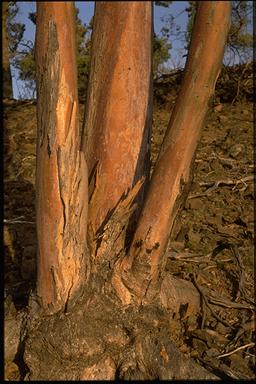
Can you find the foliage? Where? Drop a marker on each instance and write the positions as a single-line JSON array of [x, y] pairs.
[[239, 43], [163, 3], [19, 48], [240, 39], [191, 10], [161, 54], [25, 60], [83, 34], [12, 35], [172, 31], [15, 30]]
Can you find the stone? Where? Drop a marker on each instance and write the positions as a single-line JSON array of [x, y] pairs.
[[236, 150], [195, 203], [220, 328], [218, 108], [223, 119], [212, 352], [237, 360], [194, 237], [184, 348], [199, 345]]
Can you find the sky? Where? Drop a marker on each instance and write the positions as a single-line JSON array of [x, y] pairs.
[[86, 10]]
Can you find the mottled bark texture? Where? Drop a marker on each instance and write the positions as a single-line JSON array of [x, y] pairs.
[[172, 174], [61, 173], [7, 78], [119, 105]]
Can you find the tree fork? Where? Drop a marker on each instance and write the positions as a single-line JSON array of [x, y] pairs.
[[101, 338], [171, 177], [119, 105], [61, 172]]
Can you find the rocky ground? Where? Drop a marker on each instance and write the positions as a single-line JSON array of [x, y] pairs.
[[212, 240]]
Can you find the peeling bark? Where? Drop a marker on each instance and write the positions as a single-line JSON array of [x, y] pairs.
[[119, 105], [171, 178], [61, 174]]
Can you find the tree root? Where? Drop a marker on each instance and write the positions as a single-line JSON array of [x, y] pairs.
[[103, 341]]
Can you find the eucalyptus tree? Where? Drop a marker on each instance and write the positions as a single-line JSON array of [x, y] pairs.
[[104, 300]]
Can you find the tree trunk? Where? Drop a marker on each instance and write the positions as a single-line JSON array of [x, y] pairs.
[[120, 328], [61, 174], [7, 78], [172, 174], [119, 106]]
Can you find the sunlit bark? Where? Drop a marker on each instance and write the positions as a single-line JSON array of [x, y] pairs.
[[61, 174], [102, 338], [171, 178], [119, 107]]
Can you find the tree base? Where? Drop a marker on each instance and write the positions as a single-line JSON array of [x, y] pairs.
[[102, 340], [104, 336]]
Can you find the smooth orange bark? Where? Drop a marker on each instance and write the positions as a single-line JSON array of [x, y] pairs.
[[172, 172], [119, 107]]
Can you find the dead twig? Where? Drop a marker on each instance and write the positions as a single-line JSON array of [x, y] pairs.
[[17, 220], [244, 327], [221, 183], [189, 257], [236, 350], [239, 81], [206, 302], [222, 160], [203, 301], [227, 303], [223, 371], [28, 157], [235, 252]]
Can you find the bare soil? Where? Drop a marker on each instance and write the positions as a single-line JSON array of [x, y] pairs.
[[211, 244]]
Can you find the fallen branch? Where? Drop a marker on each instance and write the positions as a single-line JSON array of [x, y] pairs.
[[206, 302], [189, 257], [235, 253], [223, 371], [221, 183], [227, 303], [245, 326], [18, 221], [236, 350]]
